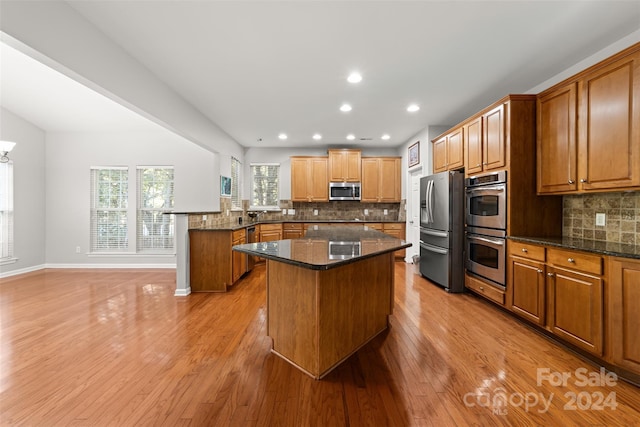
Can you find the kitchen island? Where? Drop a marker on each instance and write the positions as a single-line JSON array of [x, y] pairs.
[[328, 294]]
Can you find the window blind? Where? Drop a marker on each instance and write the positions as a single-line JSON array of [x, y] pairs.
[[155, 230], [109, 203], [264, 185], [236, 197], [6, 211]]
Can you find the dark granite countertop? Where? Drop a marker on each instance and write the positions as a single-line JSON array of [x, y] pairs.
[[594, 246], [327, 247], [233, 227]]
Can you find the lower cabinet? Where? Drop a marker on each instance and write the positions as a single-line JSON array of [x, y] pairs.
[[213, 266], [397, 230], [292, 230], [623, 313]]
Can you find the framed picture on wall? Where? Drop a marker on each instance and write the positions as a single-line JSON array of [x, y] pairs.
[[225, 186], [414, 154]]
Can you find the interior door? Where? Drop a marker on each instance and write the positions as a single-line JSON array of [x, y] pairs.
[[413, 209]]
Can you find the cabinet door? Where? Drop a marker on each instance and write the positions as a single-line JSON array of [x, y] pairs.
[[269, 236], [352, 165], [317, 183], [440, 155], [527, 293], [369, 190], [473, 145], [455, 150], [624, 313], [609, 143], [389, 180], [238, 262], [494, 141], [336, 166], [556, 144], [299, 179], [575, 308]]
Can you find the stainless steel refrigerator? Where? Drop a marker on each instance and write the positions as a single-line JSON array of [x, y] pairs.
[[442, 229]]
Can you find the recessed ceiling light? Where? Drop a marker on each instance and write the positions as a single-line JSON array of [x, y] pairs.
[[345, 108], [412, 108], [282, 136], [317, 136], [351, 137], [385, 136], [354, 77]]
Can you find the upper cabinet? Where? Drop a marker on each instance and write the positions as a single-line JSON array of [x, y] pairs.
[[344, 165], [589, 129], [448, 151], [309, 179], [380, 179], [485, 141]]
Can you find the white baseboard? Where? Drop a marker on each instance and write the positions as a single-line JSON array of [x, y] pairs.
[[182, 292], [21, 271], [169, 266]]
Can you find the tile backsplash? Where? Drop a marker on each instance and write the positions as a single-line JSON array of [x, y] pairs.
[[622, 217], [326, 211]]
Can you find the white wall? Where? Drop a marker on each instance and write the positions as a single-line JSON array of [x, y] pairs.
[[281, 156], [68, 161], [28, 158]]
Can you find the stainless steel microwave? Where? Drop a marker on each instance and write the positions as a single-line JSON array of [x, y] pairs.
[[344, 191]]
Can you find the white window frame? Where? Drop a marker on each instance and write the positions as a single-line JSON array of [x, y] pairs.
[[154, 241], [95, 211], [253, 205], [6, 213]]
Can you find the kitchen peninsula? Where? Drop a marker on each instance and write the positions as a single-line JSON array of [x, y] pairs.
[[328, 294]]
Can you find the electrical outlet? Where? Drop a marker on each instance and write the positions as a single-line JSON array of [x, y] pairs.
[[291, 211], [77, 249], [315, 211], [366, 211], [204, 217], [386, 211], [284, 211], [227, 212], [601, 219]]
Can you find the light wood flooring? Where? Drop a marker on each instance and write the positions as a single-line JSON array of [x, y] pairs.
[[117, 348]]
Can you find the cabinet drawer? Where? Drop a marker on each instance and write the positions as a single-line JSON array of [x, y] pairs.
[[239, 234], [484, 289], [296, 226], [270, 227], [526, 250], [374, 226], [393, 226], [587, 263]]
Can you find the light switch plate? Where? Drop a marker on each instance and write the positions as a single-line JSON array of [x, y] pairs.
[[315, 211], [366, 211], [291, 211], [284, 211], [601, 219], [386, 212]]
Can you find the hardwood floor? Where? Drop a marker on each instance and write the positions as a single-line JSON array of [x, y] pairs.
[[98, 348]]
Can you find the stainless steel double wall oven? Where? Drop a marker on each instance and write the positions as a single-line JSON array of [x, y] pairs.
[[486, 218]]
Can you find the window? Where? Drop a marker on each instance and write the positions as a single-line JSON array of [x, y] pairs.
[[109, 196], [155, 230], [236, 198], [6, 211], [264, 185]]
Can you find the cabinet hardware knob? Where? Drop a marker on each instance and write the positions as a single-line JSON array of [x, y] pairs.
[[550, 274], [571, 260], [571, 181], [583, 180], [540, 271], [524, 250], [485, 163], [478, 164], [482, 288]]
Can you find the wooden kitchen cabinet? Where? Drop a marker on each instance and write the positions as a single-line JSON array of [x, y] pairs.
[[448, 151], [397, 230], [589, 129], [292, 230], [485, 140], [473, 146], [380, 179], [309, 179], [623, 314], [575, 298], [213, 266], [269, 232], [526, 294], [344, 165]]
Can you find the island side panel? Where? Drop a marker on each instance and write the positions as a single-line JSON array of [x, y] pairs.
[[209, 266], [354, 303], [292, 314]]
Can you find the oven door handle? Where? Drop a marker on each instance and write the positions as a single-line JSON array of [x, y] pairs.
[[486, 240], [498, 188], [429, 248]]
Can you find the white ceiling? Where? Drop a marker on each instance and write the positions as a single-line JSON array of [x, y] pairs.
[[258, 68]]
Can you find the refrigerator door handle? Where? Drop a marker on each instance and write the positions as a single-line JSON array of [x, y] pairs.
[[434, 233], [429, 248], [430, 201]]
